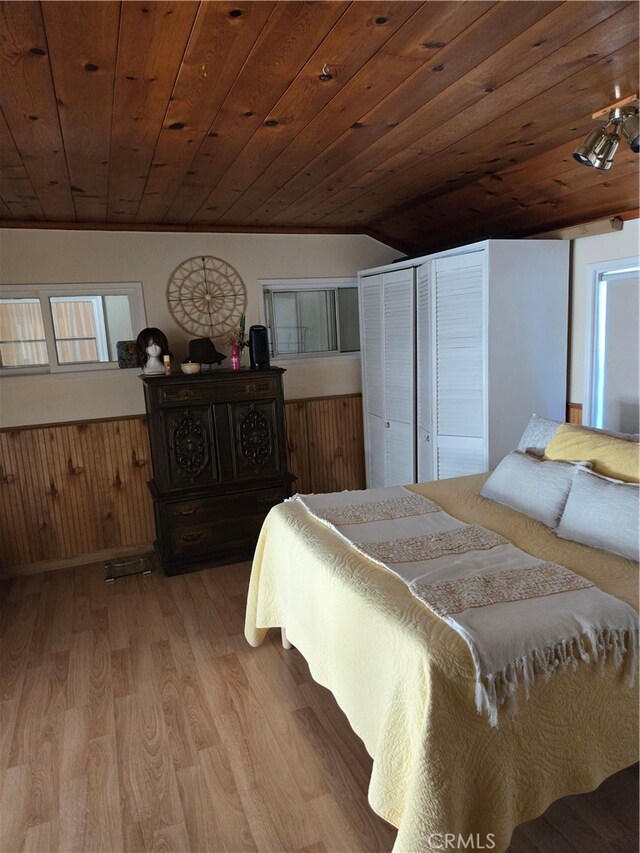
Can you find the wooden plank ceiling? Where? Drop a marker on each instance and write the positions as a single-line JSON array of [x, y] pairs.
[[440, 122]]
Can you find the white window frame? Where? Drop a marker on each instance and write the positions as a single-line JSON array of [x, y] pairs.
[[102, 346], [74, 292], [594, 327], [293, 284]]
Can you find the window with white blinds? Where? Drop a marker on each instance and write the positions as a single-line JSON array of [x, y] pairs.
[[311, 317]]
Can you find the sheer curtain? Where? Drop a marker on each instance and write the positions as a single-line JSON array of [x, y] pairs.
[[22, 340], [75, 330]]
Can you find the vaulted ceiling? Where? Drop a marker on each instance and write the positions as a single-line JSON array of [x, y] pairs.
[[422, 123]]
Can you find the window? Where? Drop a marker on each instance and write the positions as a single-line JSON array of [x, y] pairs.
[[22, 342], [612, 378], [71, 327], [312, 316]]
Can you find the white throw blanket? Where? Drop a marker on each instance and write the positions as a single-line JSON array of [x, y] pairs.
[[521, 617]]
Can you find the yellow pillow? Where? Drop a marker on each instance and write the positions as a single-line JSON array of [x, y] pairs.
[[613, 457]]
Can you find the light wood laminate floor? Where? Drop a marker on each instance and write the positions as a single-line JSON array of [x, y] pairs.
[[134, 716]]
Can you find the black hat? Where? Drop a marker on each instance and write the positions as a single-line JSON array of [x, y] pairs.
[[203, 351]]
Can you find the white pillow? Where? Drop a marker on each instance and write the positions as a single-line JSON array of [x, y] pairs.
[[530, 485], [603, 513]]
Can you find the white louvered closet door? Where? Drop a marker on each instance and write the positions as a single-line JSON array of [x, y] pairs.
[[424, 367], [459, 375], [399, 376], [373, 362]]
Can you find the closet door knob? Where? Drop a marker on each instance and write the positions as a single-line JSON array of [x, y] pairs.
[[387, 424]]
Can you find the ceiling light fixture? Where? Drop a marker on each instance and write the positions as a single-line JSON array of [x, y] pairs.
[[600, 146], [630, 127]]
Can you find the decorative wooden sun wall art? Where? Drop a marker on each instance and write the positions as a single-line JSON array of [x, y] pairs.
[[206, 296]]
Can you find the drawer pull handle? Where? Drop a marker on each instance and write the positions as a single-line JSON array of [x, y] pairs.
[[250, 388], [184, 394], [186, 512], [191, 537]]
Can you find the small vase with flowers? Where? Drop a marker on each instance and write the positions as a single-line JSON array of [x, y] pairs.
[[237, 343]]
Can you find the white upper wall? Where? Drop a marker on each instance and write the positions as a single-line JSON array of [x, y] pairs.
[[40, 256], [37, 256], [593, 250]]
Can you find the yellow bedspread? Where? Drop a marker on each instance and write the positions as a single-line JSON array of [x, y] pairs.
[[406, 680]]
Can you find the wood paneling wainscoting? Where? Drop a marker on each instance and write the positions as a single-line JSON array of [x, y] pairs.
[[72, 492], [75, 493], [574, 413], [326, 443]]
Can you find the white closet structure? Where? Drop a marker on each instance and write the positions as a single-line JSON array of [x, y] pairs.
[[459, 348]]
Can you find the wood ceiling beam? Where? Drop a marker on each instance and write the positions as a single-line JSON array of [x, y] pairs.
[[178, 227], [621, 102], [5, 213], [152, 41], [465, 118], [437, 114], [381, 124], [274, 62], [414, 44], [473, 203], [348, 46], [605, 198], [393, 76], [522, 140], [83, 79], [512, 141], [16, 190], [218, 48], [27, 99]]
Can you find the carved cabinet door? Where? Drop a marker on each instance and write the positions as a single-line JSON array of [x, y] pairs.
[[255, 449], [190, 445]]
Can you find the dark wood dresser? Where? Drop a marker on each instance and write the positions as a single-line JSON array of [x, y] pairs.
[[219, 455]]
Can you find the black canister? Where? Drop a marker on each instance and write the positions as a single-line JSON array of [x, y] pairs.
[[259, 348]]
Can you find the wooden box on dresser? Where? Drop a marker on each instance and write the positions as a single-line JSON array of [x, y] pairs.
[[219, 454]]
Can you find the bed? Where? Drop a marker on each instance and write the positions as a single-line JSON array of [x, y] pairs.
[[406, 681]]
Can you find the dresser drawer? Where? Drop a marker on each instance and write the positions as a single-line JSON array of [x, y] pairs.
[[249, 387], [215, 539], [238, 505]]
